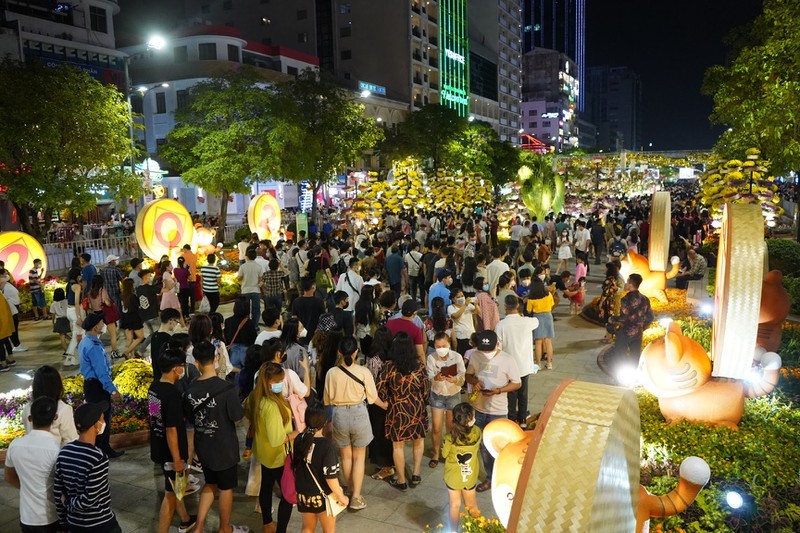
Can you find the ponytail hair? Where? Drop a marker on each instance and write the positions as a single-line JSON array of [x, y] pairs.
[[463, 414], [348, 347], [315, 420]]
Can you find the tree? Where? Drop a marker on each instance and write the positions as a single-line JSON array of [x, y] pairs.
[[322, 129], [757, 94], [506, 160], [428, 134], [62, 134], [224, 138]]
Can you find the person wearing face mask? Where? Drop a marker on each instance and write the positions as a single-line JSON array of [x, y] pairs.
[[95, 367], [80, 482], [462, 311], [296, 355], [169, 447], [489, 314], [461, 468], [493, 374], [446, 372], [515, 333], [564, 250], [524, 286], [441, 288], [539, 304]]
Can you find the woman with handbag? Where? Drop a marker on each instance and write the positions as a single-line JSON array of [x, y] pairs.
[[539, 304], [348, 389], [271, 416], [320, 497], [319, 268], [98, 301]]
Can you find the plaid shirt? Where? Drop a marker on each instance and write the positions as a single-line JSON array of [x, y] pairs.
[[273, 283], [112, 277], [635, 313]]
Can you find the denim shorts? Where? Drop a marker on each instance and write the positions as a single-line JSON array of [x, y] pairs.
[[37, 299], [444, 402], [351, 426]]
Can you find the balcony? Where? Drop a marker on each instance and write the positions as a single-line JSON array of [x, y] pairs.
[[417, 56], [418, 80]]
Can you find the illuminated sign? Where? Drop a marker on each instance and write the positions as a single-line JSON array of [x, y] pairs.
[[454, 69], [264, 216], [371, 87], [18, 250], [549, 115], [163, 226]]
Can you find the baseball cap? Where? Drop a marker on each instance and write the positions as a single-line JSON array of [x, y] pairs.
[[91, 320], [409, 307], [112, 257], [135, 262], [486, 341], [88, 414]]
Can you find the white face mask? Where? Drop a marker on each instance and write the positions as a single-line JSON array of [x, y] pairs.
[[489, 355], [102, 428], [526, 282], [541, 277], [103, 331], [442, 352], [461, 301], [302, 333]]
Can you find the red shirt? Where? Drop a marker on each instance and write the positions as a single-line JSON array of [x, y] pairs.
[[401, 324]]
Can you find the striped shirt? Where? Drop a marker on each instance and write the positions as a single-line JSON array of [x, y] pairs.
[[210, 275], [82, 478]]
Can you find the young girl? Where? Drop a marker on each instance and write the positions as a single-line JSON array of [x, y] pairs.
[[577, 295], [461, 464], [61, 324], [130, 321], [446, 371], [580, 268], [564, 250], [316, 472]]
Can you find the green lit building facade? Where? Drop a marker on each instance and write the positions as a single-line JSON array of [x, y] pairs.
[[454, 54]]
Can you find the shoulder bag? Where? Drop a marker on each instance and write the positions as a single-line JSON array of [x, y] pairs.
[[321, 277], [288, 490], [241, 325], [332, 505], [354, 378]]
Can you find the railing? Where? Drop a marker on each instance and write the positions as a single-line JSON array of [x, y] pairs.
[[60, 254], [229, 233]]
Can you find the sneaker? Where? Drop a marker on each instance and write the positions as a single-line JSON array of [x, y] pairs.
[[20, 348], [5, 368], [187, 526], [192, 480], [535, 368], [115, 354], [12, 363], [70, 360], [548, 365], [356, 504], [196, 466], [239, 529]]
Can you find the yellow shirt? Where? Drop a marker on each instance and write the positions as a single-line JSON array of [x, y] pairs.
[[341, 389], [542, 305], [270, 434]]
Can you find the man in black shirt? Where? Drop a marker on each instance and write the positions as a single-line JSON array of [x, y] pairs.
[[342, 317], [307, 307], [170, 318], [169, 447]]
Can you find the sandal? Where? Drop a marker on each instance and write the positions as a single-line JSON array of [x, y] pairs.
[[383, 473], [402, 487], [415, 480], [433, 463]]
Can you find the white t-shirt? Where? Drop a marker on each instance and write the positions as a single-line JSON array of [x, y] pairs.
[[242, 250], [494, 373], [351, 283], [34, 456], [515, 334], [267, 335], [464, 325], [494, 270], [413, 262], [515, 232], [581, 236]]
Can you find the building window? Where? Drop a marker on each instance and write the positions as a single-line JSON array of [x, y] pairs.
[[161, 103], [302, 37], [546, 124], [233, 53], [97, 19], [227, 5], [208, 51], [346, 54], [182, 97], [533, 125], [292, 71], [531, 112], [205, 9], [137, 105], [345, 32], [347, 75], [344, 9], [181, 54], [302, 14]]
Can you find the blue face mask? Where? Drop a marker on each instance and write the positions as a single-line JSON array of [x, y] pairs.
[[486, 287], [277, 388]]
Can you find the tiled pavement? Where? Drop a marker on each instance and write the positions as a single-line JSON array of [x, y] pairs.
[[135, 482]]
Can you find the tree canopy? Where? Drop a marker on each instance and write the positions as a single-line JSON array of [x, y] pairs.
[[757, 94], [62, 133]]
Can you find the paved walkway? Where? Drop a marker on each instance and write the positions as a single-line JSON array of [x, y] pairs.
[[135, 483]]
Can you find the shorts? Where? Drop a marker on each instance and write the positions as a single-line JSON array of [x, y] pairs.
[[37, 299], [310, 503], [224, 479], [169, 477], [444, 402], [351, 426], [451, 488]]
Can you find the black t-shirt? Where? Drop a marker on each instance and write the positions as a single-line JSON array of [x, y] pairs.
[[344, 320], [159, 342], [148, 301], [215, 423], [308, 309], [315, 264], [247, 335], [559, 283], [165, 412], [324, 464], [430, 259]]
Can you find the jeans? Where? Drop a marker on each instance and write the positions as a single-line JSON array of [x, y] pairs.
[[255, 306], [481, 420], [682, 281], [148, 338], [599, 250], [268, 478], [237, 354], [94, 392], [415, 287], [624, 344], [273, 301], [518, 401]]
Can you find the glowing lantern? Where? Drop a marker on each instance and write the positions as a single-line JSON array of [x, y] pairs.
[[18, 250], [264, 216], [163, 225]]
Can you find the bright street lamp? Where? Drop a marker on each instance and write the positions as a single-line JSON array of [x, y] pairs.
[[156, 42], [365, 93]]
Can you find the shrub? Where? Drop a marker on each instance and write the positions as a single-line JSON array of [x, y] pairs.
[[244, 231], [792, 286], [784, 255]]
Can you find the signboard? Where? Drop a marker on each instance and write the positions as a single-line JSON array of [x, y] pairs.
[[302, 224], [163, 226], [371, 87], [454, 70]]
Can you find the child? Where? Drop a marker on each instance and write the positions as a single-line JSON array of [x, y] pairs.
[[461, 464], [58, 310], [580, 268], [576, 294], [524, 286]]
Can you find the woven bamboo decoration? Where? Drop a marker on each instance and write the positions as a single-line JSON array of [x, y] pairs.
[[737, 299], [658, 246]]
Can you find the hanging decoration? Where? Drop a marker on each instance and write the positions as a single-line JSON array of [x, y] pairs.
[[163, 226], [18, 250], [264, 216]]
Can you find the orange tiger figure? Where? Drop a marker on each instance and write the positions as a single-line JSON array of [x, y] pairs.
[[654, 282], [677, 370], [775, 305]]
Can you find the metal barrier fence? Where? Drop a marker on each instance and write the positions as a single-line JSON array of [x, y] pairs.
[[229, 233], [60, 254]]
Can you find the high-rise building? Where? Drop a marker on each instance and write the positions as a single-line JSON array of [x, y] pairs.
[[550, 94], [614, 106], [558, 25]]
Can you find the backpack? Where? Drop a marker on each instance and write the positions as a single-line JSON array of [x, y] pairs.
[[341, 266], [617, 248]]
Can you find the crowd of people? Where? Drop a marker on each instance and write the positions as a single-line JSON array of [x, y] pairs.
[[343, 346]]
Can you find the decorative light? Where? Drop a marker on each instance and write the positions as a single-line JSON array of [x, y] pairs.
[[665, 322], [156, 42], [365, 93], [627, 375], [471, 118], [707, 309], [734, 499]]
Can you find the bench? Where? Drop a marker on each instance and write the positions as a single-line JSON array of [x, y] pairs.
[[697, 291]]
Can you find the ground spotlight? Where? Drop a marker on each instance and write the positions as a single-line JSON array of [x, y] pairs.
[[365, 93], [734, 499], [665, 322], [627, 375], [707, 309], [27, 375]]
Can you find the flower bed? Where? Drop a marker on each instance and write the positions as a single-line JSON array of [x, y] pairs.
[[130, 413]]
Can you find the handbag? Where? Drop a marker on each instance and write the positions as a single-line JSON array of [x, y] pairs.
[[288, 490], [321, 277], [332, 505], [298, 406], [241, 325], [205, 305]]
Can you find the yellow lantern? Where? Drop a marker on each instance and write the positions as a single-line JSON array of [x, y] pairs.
[[264, 216], [18, 250], [163, 225]]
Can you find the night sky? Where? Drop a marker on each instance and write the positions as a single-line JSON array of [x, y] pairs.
[[669, 44]]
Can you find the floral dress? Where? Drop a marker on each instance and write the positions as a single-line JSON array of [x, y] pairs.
[[608, 299], [407, 417]]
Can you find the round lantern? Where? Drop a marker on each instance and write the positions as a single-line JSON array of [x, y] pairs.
[[264, 216], [17, 251], [163, 225]]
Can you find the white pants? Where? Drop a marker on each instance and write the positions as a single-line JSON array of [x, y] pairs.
[[76, 330]]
